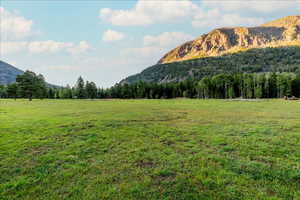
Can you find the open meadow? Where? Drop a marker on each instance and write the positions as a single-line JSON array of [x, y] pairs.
[[149, 149]]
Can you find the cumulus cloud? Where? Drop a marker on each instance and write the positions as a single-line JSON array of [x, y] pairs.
[[12, 47], [14, 27], [35, 47], [15, 30], [149, 12], [205, 13], [110, 36], [216, 18], [47, 46], [261, 6], [154, 46], [222, 13]]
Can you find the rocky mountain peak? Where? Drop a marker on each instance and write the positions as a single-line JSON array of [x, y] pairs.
[[281, 32]]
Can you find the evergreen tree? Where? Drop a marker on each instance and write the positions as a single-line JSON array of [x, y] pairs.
[[12, 91], [80, 88], [68, 92], [91, 90], [51, 93], [204, 88], [273, 85], [3, 91], [296, 85], [31, 85], [259, 85], [41, 88]]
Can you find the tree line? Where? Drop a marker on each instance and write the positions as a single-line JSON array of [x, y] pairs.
[[28, 85], [222, 86]]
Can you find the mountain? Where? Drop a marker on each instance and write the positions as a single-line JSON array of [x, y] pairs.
[[281, 32], [274, 46], [8, 73]]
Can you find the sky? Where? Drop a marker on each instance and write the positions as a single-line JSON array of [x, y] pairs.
[[106, 41]]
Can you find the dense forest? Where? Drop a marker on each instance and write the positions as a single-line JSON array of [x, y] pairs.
[[222, 86], [284, 59]]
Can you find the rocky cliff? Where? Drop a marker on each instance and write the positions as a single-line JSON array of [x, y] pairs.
[[281, 32]]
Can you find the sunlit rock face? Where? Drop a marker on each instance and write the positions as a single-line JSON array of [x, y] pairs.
[[281, 32]]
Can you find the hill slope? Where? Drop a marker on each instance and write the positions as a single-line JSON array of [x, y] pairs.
[[278, 33], [8, 73], [254, 60]]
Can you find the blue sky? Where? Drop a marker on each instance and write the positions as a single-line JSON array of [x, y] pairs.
[[106, 41]]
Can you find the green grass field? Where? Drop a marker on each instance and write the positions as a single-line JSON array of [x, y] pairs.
[[149, 149]]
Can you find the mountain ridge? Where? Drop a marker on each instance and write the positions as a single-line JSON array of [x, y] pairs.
[[281, 32], [8, 73]]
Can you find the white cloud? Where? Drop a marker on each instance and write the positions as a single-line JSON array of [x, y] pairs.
[[14, 27], [167, 39], [36, 47], [110, 36], [205, 13], [149, 12], [222, 13], [47, 46], [215, 18], [262, 6], [12, 47], [157, 45]]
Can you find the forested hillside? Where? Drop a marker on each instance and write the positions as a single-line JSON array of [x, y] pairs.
[[283, 59]]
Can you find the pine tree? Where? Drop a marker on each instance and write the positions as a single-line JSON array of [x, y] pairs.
[[296, 84], [3, 91], [51, 93], [91, 90], [273, 85], [12, 90], [80, 88], [31, 85]]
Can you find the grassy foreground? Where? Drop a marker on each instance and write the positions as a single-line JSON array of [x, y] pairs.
[[149, 149]]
